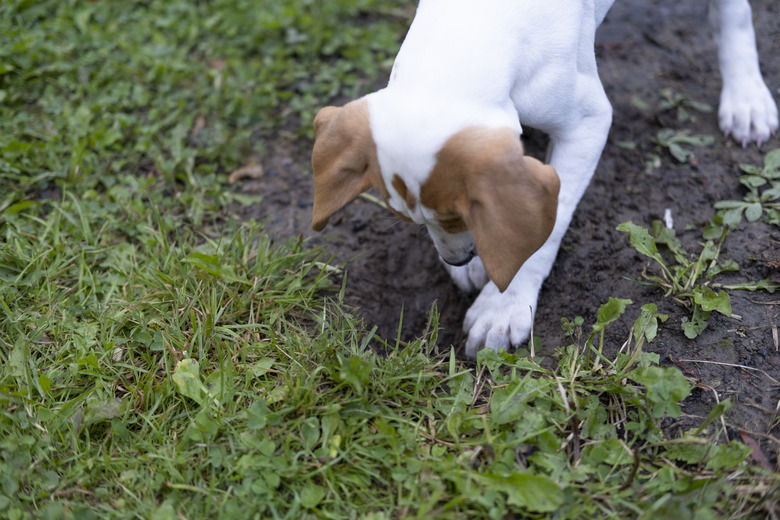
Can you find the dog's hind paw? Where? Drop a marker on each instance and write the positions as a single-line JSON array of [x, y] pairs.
[[747, 111], [499, 320], [470, 277]]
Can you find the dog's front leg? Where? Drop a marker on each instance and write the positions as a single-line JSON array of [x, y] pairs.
[[497, 320], [747, 110]]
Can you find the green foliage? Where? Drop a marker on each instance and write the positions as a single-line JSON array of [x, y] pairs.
[[175, 89], [762, 199], [132, 352], [136, 383], [665, 388], [689, 281], [680, 103], [678, 142], [683, 279], [159, 360], [647, 323]]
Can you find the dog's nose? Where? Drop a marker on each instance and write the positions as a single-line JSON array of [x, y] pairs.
[[461, 261]]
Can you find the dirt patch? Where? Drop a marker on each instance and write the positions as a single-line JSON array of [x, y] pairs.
[[643, 47]]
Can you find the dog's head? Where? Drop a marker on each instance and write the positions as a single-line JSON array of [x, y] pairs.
[[482, 194]]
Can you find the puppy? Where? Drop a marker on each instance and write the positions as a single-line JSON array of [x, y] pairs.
[[441, 142]]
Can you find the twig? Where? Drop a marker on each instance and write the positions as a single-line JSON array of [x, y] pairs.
[[775, 381], [717, 400], [479, 384], [374, 200], [531, 341]]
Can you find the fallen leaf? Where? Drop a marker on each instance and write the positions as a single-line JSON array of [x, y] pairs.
[[250, 171], [757, 454]]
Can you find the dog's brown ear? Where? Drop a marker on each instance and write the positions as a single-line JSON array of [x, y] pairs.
[[507, 200], [344, 159], [511, 213]]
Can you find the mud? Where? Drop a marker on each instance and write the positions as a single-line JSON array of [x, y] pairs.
[[643, 47]]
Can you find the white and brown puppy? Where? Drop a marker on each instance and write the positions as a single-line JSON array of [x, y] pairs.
[[441, 142]]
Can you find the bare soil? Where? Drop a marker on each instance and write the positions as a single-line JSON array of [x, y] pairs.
[[643, 47]]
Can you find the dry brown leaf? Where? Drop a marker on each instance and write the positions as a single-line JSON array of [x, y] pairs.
[[758, 455], [250, 171]]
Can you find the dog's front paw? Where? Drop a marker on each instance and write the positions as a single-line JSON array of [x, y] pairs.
[[499, 320], [747, 111], [470, 277]]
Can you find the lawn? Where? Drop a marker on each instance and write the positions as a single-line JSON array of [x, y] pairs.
[[161, 359]]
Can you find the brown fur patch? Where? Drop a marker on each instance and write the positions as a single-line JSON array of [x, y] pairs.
[[453, 224], [483, 182], [400, 187], [343, 159]]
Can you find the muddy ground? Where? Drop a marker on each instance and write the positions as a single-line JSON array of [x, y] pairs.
[[643, 47]]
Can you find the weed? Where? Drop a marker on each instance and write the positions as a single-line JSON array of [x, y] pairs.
[[762, 199], [676, 140], [685, 280], [681, 104]]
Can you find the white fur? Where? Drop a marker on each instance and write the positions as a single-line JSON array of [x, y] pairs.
[[470, 277], [747, 110], [507, 63]]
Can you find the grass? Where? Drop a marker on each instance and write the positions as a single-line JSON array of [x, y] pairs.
[[161, 360], [154, 381]]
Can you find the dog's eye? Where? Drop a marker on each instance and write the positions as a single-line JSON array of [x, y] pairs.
[[452, 223]]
